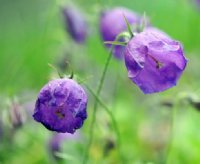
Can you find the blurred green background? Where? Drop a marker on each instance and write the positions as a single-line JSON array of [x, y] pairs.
[[32, 34]]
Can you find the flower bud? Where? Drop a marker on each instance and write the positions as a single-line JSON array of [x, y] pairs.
[[17, 116], [61, 106], [112, 23], [75, 24]]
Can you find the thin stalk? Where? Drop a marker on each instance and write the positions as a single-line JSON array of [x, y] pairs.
[[115, 127], [91, 132]]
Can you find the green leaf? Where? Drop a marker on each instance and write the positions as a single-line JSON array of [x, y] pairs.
[[66, 156]]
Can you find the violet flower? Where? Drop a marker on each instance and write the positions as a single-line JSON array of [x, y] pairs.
[[112, 23], [75, 24], [154, 61], [61, 106]]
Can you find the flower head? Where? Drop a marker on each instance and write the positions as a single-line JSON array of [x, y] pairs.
[[112, 23], [61, 106], [75, 24], [154, 61]]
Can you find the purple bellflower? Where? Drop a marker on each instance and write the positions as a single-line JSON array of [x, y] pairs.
[[61, 106], [112, 23], [154, 61], [75, 24]]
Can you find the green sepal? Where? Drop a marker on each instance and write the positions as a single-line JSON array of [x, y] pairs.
[[116, 43], [128, 27], [59, 74], [124, 35], [143, 23]]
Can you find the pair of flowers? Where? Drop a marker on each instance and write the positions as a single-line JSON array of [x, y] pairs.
[[154, 62]]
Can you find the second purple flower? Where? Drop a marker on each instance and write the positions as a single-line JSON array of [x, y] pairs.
[[154, 61], [112, 23]]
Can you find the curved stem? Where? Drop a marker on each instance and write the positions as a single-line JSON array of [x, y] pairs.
[[115, 127], [91, 133]]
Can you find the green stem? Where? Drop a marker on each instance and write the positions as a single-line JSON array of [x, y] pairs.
[[111, 117], [91, 133]]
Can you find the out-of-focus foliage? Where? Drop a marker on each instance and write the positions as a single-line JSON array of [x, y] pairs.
[[33, 34]]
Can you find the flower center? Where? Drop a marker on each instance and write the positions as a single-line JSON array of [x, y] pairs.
[[158, 63], [59, 113]]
